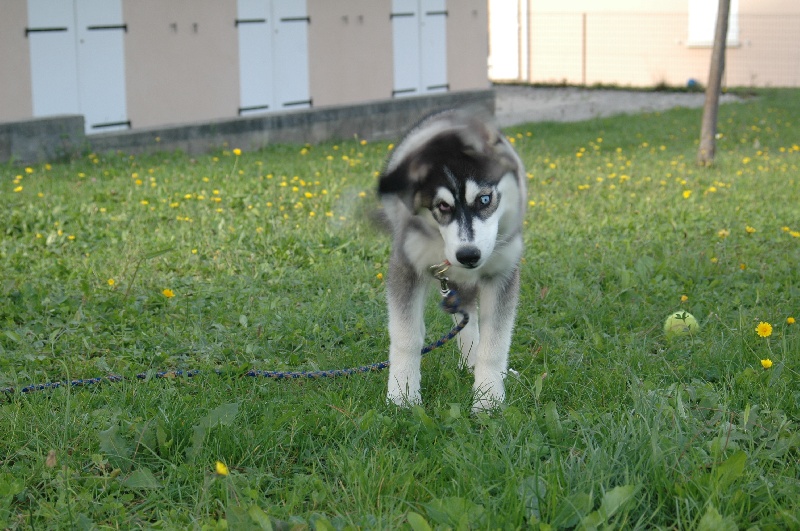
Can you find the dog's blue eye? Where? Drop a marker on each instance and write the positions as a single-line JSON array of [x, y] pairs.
[[485, 199]]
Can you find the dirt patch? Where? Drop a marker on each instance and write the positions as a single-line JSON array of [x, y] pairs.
[[523, 104]]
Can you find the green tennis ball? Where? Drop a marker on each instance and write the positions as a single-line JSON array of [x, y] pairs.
[[680, 323]]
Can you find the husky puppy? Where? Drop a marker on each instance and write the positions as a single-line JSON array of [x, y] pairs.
[[453, 192]]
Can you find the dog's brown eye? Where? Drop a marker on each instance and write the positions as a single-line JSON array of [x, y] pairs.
[[443, 207]]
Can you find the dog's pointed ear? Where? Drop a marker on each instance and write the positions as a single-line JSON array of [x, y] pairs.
[[482, 141], [402, 180], [393, 182]]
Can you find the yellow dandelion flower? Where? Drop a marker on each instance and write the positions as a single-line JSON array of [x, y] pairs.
[[687, 194], [723, 233], [237, 152], [767, 363], [764, 329], [794, 233], [379, 276], [111, 281], [168, 293], [684, 298], [18, 189], [749, 230], [221, 469], [790, 320], [362, 194], [28, 170]]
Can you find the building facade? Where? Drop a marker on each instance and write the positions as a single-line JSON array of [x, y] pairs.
[[642, 43], [128, 64]]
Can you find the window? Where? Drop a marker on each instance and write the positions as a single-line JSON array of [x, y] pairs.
[[703, 22]]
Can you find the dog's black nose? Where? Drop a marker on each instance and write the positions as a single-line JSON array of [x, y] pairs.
[[468, 256]]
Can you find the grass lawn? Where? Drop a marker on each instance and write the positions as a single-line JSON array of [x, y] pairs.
[[267, 260]]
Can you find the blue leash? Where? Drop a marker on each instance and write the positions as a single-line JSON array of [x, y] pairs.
[[450, 304]]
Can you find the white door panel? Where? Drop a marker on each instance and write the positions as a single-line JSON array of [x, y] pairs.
[[291, 53], [53, 56], [406, 47], [254, 24], [101, 64], [433, 39]]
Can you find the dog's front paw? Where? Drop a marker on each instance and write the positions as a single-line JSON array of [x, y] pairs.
[[489, 394], [403, 394]]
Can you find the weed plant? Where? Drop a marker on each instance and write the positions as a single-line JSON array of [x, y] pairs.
[[123, 264]]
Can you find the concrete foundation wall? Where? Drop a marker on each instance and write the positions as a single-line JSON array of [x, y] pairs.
[[49, 138], [41, 139]]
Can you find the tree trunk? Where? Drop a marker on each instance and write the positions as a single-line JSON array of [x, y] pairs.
[[708, 131]]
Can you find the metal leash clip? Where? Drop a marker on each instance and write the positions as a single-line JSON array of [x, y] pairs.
[[439, 271]]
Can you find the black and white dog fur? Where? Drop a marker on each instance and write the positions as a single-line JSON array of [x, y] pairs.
[[453, 192]]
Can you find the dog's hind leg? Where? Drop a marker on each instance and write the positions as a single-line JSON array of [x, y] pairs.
[[498, 304], [406, 297]]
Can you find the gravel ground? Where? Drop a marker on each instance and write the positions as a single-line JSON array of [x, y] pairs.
[[523, 104]]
